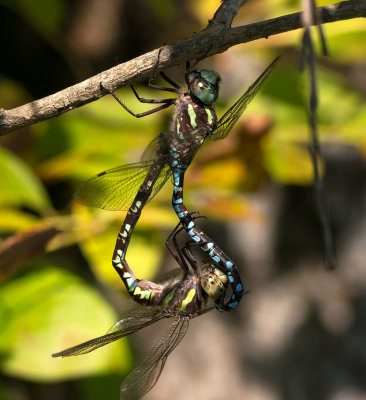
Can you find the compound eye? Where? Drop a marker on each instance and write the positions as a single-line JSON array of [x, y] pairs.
[[192, 76], [203, 90], [212, 285]]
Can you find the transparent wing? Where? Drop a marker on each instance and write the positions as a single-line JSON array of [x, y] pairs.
[[116, 188], [229, 119], [158, 146], [145, 376], [133, 321], [170, 276], [185, 146]]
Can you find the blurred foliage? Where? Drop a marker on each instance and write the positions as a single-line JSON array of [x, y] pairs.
[[20, 187], [47, 306], [36, 311]]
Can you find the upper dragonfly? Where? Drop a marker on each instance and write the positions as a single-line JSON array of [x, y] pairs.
[[171, 153]]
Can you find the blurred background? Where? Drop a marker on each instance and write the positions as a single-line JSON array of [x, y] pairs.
[[300, 333]]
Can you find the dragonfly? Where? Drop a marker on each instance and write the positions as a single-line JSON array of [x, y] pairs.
[[184, 295], [170, 154]]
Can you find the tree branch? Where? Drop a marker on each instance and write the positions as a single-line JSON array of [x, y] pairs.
[[225, 13], [214, 39]]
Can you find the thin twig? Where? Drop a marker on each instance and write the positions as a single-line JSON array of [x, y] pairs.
[[226, 12], [310, 18], [216, 40]]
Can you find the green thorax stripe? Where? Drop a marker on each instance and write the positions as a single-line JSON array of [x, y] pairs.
[[168, 297], [188, 299], [209, 115], [192, 116]]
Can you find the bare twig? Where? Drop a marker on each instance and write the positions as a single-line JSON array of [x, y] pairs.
[[216, 40], [309, 18], [225, 14]]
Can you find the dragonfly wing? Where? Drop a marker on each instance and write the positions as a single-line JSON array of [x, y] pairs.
[[229, 119], [165, 174], [136, 316], [184, 145], [170, 277], [116, 188], [154, 148], [127, 325], [159, 146], [145, 376]]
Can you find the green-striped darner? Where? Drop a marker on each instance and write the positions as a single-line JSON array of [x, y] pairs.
[[181, 297], [170, 154]]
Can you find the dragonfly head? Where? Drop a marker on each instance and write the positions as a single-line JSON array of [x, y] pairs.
[[213, 281], [204, 84]]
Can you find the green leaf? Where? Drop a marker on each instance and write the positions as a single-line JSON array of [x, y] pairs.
[[49, 310], [19, 186]]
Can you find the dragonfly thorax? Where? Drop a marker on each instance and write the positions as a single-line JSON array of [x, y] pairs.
[[204, 84]]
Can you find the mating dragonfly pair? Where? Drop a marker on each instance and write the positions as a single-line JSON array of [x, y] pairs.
[[133, 185]]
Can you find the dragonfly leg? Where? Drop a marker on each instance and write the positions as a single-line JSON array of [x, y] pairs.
[[206, 244], [143, 114], [169, 80], [165, 89], [190, 67], [175, 250], [151, 101], [182, 254], [192, 260], [164, 76], [165, 102], [189, 255], [180, 227]]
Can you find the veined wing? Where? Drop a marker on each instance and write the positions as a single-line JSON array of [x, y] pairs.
[[157, 147], [229, 119], [145, 376], [116, 188], [133, 321], [170, 276], [184, 145]]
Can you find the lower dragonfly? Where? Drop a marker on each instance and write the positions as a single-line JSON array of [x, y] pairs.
[[170, 154], [183, 296]]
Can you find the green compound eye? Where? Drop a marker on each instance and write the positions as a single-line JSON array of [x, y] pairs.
[[210, 76], [204, 84]]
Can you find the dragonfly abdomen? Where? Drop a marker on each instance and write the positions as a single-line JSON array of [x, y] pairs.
[[141, 291]]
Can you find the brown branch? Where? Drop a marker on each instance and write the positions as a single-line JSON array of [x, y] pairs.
[[211, 39], [225, 13]]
